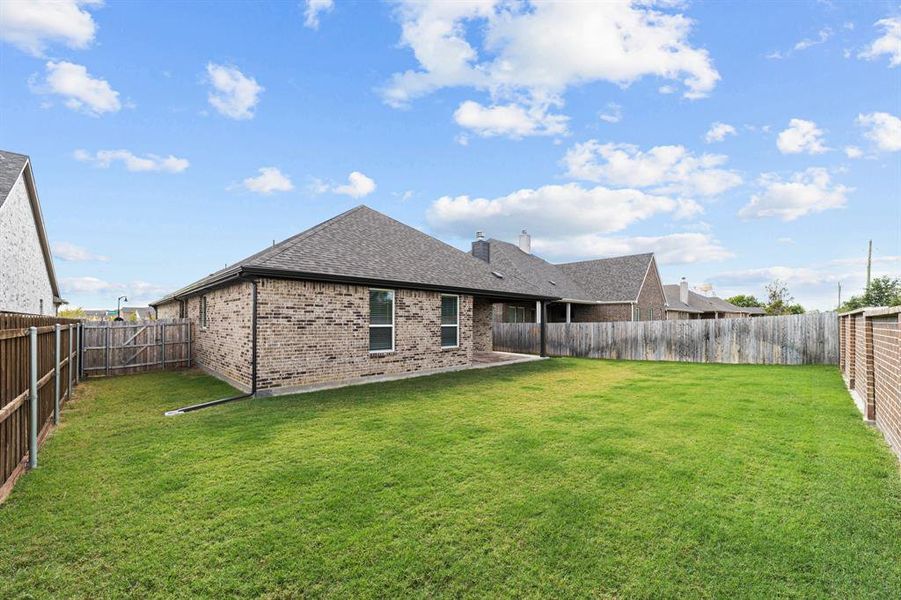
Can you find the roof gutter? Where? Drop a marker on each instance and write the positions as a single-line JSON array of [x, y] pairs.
[[243, 272]]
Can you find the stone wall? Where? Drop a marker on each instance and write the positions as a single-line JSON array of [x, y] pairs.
[[594, 313], [482, 312], [23, 270]]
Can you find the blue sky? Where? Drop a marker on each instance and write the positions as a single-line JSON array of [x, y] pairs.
[[741, 142]]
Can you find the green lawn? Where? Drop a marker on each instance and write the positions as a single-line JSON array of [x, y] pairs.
[[561, 478]]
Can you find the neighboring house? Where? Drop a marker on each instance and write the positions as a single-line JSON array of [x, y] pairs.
[[358, 297], [623, 288], [129, 313], [683, 303], [27, 279]]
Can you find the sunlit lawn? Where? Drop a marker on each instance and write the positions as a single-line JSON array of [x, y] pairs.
[[561, 478]]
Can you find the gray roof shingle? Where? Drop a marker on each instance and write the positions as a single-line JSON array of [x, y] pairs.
[[542, 276], [365, 245], [616, 279], [11, 165]]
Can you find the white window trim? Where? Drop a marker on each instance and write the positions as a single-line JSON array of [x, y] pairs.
[[456, 326], [393, 321], [204, 313]]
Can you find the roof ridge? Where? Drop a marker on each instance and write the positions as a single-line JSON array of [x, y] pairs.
[[587, 260], [285, 244]]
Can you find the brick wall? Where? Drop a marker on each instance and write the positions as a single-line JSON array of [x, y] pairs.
[[224, 346], [482, 311], [593, 313], [651, 301], [871, 365], [314, 333]]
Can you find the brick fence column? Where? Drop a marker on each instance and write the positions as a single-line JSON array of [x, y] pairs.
[[869, 393], [852, 349]]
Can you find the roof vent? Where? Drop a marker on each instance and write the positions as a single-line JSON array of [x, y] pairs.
[[498, 275], [552, 282]]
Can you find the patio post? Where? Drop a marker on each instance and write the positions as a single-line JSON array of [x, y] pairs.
[[543, 325]]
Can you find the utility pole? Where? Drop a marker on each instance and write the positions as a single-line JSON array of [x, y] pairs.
[[839, 294], [869, 265]]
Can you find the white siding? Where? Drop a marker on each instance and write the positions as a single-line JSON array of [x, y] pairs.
[[24, 281]]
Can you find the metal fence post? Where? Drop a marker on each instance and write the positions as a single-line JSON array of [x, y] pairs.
[[56, 382], [33, 399], [69, 364]]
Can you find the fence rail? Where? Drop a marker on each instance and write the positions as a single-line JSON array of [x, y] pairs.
[[38, 371], [787, 340], [122, 347]]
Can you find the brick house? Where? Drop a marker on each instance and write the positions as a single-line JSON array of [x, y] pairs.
[[682, 303], [622, 288], [27, 278], [356, 298]]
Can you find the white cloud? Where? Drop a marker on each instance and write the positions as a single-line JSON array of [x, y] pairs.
[[613, 114], [234, 94], [530, 55], [665, 169], [268, 181], [810, 191], [673, 249], [149, 162], [882, 128], [81, 91], [31, 25], [791, 275], [313, 9], [718, 132], [787, 241], [358, 186], [511, 120], [137, 291], [822, 36], [71, 253], [553, 210], [853, 152], [801, 136], [889, 43]]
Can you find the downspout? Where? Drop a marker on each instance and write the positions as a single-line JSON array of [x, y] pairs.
[[253, 363]]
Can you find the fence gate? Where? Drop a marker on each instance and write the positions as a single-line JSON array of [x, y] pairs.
[[121, 347]]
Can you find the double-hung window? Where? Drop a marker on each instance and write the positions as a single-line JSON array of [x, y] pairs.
[[203, 317], [381, 320], [450, 321]]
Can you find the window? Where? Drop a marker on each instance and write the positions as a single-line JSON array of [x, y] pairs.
[[381, 320], [450, 321], [203, 318], [638, 313], [41, 302]]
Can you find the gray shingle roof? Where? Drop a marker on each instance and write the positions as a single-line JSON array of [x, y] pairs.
[[11, 165], [365, 245], [699, 303], [616, 279], [540, 275]]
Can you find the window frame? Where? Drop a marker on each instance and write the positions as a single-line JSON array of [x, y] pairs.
[[392, 325], [456, 326], [204, 316]]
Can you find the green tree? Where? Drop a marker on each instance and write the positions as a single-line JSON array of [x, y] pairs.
[[883, 291], [76, 312], [780, 301], [745, 300]]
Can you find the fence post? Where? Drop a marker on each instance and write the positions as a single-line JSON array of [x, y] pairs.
[[106, 354], [56, 369], [78, 350], [163, 346], [33, 398], [190, 334], [70, 363]]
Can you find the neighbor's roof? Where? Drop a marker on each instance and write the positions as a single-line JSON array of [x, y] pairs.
[[12, 165], [364, 246], [616, 279], [698, 302]]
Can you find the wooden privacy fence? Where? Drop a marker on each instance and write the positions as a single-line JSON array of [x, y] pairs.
[[788, 340], [38, 371], [122, 347]]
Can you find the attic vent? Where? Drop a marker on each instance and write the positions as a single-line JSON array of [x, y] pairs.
[[552, 282], [498, 275]]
